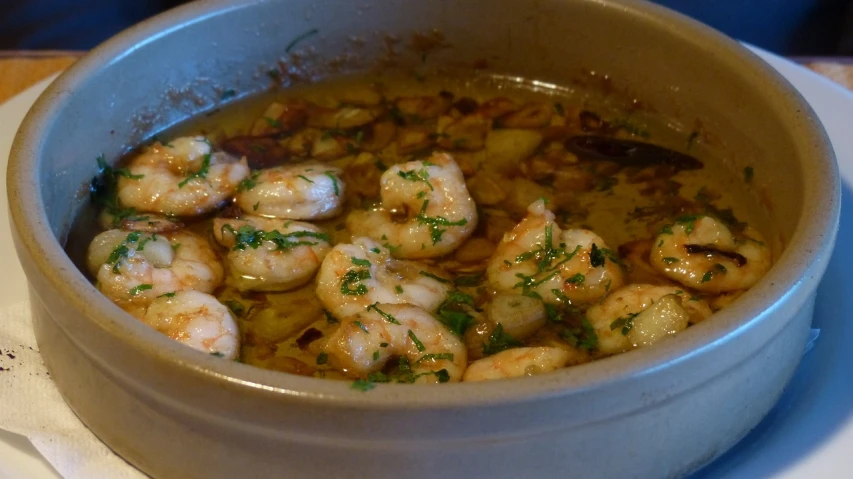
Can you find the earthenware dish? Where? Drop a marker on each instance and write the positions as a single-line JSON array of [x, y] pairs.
[[656, 412]]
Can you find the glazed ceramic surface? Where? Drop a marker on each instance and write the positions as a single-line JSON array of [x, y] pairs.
[[664, 411]]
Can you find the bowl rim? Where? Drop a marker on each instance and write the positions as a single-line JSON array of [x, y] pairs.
[[791, 275]]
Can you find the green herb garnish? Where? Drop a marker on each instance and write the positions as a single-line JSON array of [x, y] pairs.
[[334, 182], [138, 289], [363, 385], [201, 173], [625, 322], [418, 343], [388, 317], [499, 341], [435, 223], [235, 306], [322, 359], [353, 278], [360, 262]]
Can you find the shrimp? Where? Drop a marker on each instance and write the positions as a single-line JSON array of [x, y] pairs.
[[536, 257], [426, 209], [184, 177], [307, 191], [271, 255], [702, 253], [614, 319], [517, 362], [367, 340], [354, 276], [197, 320], [134, 268]]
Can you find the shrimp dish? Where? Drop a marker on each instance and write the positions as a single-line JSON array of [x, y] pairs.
[[393, 230]]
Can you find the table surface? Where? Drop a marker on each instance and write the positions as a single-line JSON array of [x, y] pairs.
[[22, 69]]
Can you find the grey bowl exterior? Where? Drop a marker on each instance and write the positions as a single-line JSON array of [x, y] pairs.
[[656, 412]]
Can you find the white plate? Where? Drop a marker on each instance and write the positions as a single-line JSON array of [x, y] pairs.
[[809, 433]]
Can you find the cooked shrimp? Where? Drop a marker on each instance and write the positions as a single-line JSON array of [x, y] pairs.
[[516, 362], [702, 253], [271, 255], [134, 268], [614, 318], [537, 257], [367, 340], [426, 209], [354, 276], [197, 320], [184, 177], [307, 191]]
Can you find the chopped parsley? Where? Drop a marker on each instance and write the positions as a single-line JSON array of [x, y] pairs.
[[375, 250], [435, 357], [436, 222], [625, 322], [420, 175], [363, 385], [330, 318], [666, 230], [122, 251], [251, 237], [558, 107], [360, 326], [670, 260], [360, 262], [582, 337], [140, 288], [718, 268], [452, 312], [104, 191], [331, 176], [201, 173], [388, 317], [748, 173], [304, 178], [235, 306], [322, 359], [499, 341], [417, 342], [405, 374], [353, 278], [398, 289], [577, 278], [167, 295], [689, 222]]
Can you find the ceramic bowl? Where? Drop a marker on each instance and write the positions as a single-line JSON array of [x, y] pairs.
[[657, 412]]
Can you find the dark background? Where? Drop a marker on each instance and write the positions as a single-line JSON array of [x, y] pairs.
[[788, 27]]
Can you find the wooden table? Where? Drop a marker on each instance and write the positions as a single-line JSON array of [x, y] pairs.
[[19, 70]]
